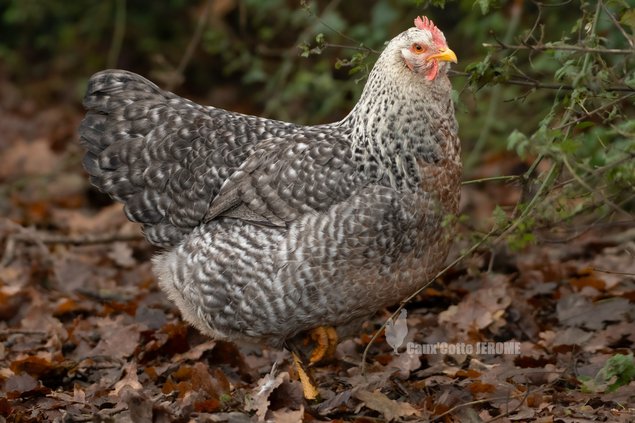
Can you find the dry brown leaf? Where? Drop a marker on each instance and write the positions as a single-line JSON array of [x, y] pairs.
[[611, 335], [16, 384], [23, 386], [405, 364], [333, 403], [28, 159], [259, 399], [121, 254], [571, 336], [478, 387], [209, 405], [76, 271], [38, 316], [139, 405], [113, 307], [523, 413], [588, 281], [110, 219], [34, 365], [288, 416], [379, 402], [195, 352], [481, 308], [153, 318], [201, 380], [577, 310], [118, 339], [130, 379]]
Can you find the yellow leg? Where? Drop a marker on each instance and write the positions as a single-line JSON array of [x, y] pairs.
[[309, 390], [325, 338]]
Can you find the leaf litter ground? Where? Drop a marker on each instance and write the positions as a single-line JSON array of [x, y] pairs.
[[86, 335]]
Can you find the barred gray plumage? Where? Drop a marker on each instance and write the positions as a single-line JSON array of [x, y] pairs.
[[271, 229]]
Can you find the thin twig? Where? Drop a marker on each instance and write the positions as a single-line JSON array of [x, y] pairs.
[[532, 83], [595, 269], [592, 35], [351, 47], [581, 230], [191, 47], [494, 101], [553, 5], [558, 47], [520, 219], [583, 183], [28, 234], [555, 168], [598, 170], [552, 86], [594, 111], [508, 412], [282, 76], [596, 224], [331, 6], [536, 23], [419, 291], [18, 331], [118, 33], [481, 401], [618, 26], [493, 178], [86, 239]]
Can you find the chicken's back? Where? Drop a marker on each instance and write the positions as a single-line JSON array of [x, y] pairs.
[[163, 156]]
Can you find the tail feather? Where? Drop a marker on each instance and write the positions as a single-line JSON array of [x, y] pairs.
[[163, 156]]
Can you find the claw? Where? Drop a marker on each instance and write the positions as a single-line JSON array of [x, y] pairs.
[[326, 339], [308, 388]]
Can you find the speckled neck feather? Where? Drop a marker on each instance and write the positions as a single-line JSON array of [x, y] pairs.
[[402, 118]]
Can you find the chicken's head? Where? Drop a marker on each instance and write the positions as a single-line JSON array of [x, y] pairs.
[[425, 50]]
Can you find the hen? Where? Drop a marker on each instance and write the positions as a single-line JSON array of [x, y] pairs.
[[272, 229]]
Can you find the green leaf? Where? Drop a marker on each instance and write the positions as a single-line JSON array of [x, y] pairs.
[[628, 19], [618, 371], [518, 141], [500, 217], [569, 145], [484, 6], [568, 68], [585, 124], [621, 367]]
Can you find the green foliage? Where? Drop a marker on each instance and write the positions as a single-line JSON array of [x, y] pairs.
[[570, 76], [518, 142], [484, 5], [618, 371], [552, 85]]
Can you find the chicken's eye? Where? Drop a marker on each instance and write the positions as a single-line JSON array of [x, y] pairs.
[[418, 48]]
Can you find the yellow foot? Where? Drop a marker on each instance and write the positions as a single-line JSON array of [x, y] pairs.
[[308, 388], [325, 338]]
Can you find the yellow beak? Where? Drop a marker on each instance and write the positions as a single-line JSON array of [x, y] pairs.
[[445, 55]]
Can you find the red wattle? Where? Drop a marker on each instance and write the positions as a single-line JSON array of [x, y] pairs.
[[434, 71]]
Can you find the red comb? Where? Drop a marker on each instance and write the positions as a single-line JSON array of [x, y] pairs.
[[426, 24]]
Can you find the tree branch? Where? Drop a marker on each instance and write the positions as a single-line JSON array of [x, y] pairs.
[[546, 85], [558, 47], [85, 239], [618, 26], [595, 111], [178, 77], [118, 33], [553, 86], [493, 178]]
